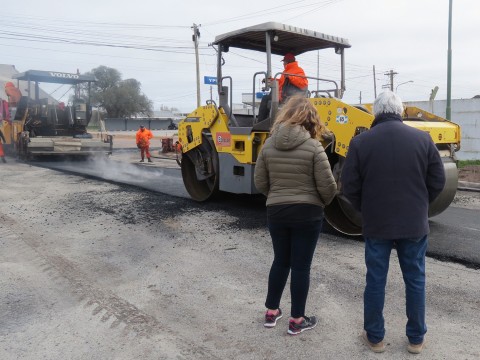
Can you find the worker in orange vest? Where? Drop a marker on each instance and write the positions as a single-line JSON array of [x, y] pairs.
[[143, 137], [13, 93], [287, 85]]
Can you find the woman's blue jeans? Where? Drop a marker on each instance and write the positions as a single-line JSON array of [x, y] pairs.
[[411, 256], [293, 247]]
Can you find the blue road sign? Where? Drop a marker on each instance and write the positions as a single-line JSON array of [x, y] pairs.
[[210, 80]]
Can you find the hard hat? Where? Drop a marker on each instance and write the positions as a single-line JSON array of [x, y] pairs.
[[289, 57]]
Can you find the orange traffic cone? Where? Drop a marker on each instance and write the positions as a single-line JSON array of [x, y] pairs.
[[2, 153]]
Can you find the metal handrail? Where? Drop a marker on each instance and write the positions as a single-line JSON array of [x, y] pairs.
[[254, 92]]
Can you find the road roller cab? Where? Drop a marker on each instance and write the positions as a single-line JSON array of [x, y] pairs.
[[220, 147]]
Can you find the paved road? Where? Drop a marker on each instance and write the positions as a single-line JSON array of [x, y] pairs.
[[97, 270], [455, 234]]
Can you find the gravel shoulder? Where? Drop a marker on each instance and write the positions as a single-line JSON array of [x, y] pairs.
[[95, 270]]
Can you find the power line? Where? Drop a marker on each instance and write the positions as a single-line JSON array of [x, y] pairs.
[[69, 31], [268, 11], [47, 39], [326, 3], [82, 32], [70, 22]]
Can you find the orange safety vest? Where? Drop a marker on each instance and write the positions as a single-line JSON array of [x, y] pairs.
[[299, 82], [13, 93], [143, 137]]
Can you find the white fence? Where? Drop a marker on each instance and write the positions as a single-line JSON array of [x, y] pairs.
[[466, 113]]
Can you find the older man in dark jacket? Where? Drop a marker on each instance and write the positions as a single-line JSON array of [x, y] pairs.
[[391, 174]]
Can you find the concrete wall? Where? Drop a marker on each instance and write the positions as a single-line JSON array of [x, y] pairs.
[[112, 124], [466, 113]]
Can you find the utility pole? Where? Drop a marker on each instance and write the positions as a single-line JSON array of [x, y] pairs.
[[374, 83], [391, 73], [449, 66], [360, 97], [195, 37]]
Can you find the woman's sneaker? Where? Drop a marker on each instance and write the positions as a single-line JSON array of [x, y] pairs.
[[271, 320], [307, 324]]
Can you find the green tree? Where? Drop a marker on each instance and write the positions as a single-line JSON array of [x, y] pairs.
[[118, 98]]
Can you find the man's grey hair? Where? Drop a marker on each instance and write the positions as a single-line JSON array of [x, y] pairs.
[[387, 102]]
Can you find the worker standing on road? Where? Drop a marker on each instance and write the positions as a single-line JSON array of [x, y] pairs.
[[2, 153], [292, 169], [392, 185], [287, 85], [143, 137]]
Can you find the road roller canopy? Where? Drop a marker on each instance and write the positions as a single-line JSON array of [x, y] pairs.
[[54, 77], [285, 38]]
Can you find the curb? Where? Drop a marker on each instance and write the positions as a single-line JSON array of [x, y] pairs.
[[468, 186]]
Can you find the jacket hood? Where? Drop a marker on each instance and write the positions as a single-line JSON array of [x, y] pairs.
[[288, 137]]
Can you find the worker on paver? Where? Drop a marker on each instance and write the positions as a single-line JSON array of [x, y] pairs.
[[143, 137], [13, 93]]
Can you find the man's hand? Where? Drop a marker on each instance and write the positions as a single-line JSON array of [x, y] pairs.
[[268, 82]]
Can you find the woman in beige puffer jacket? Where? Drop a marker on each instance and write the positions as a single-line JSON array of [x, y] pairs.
[[293, 171]]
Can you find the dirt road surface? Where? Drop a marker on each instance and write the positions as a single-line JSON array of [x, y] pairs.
[[95, 270]]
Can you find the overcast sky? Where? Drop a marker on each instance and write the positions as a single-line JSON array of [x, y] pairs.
[[151, 41]]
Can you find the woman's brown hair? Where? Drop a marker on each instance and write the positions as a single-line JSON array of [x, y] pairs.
[[298, 110]]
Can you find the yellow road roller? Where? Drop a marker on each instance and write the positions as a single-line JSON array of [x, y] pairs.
[[219, 148]]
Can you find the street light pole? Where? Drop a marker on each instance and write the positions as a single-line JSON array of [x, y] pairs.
[[196, 35], [406, 82], [449, 63]]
